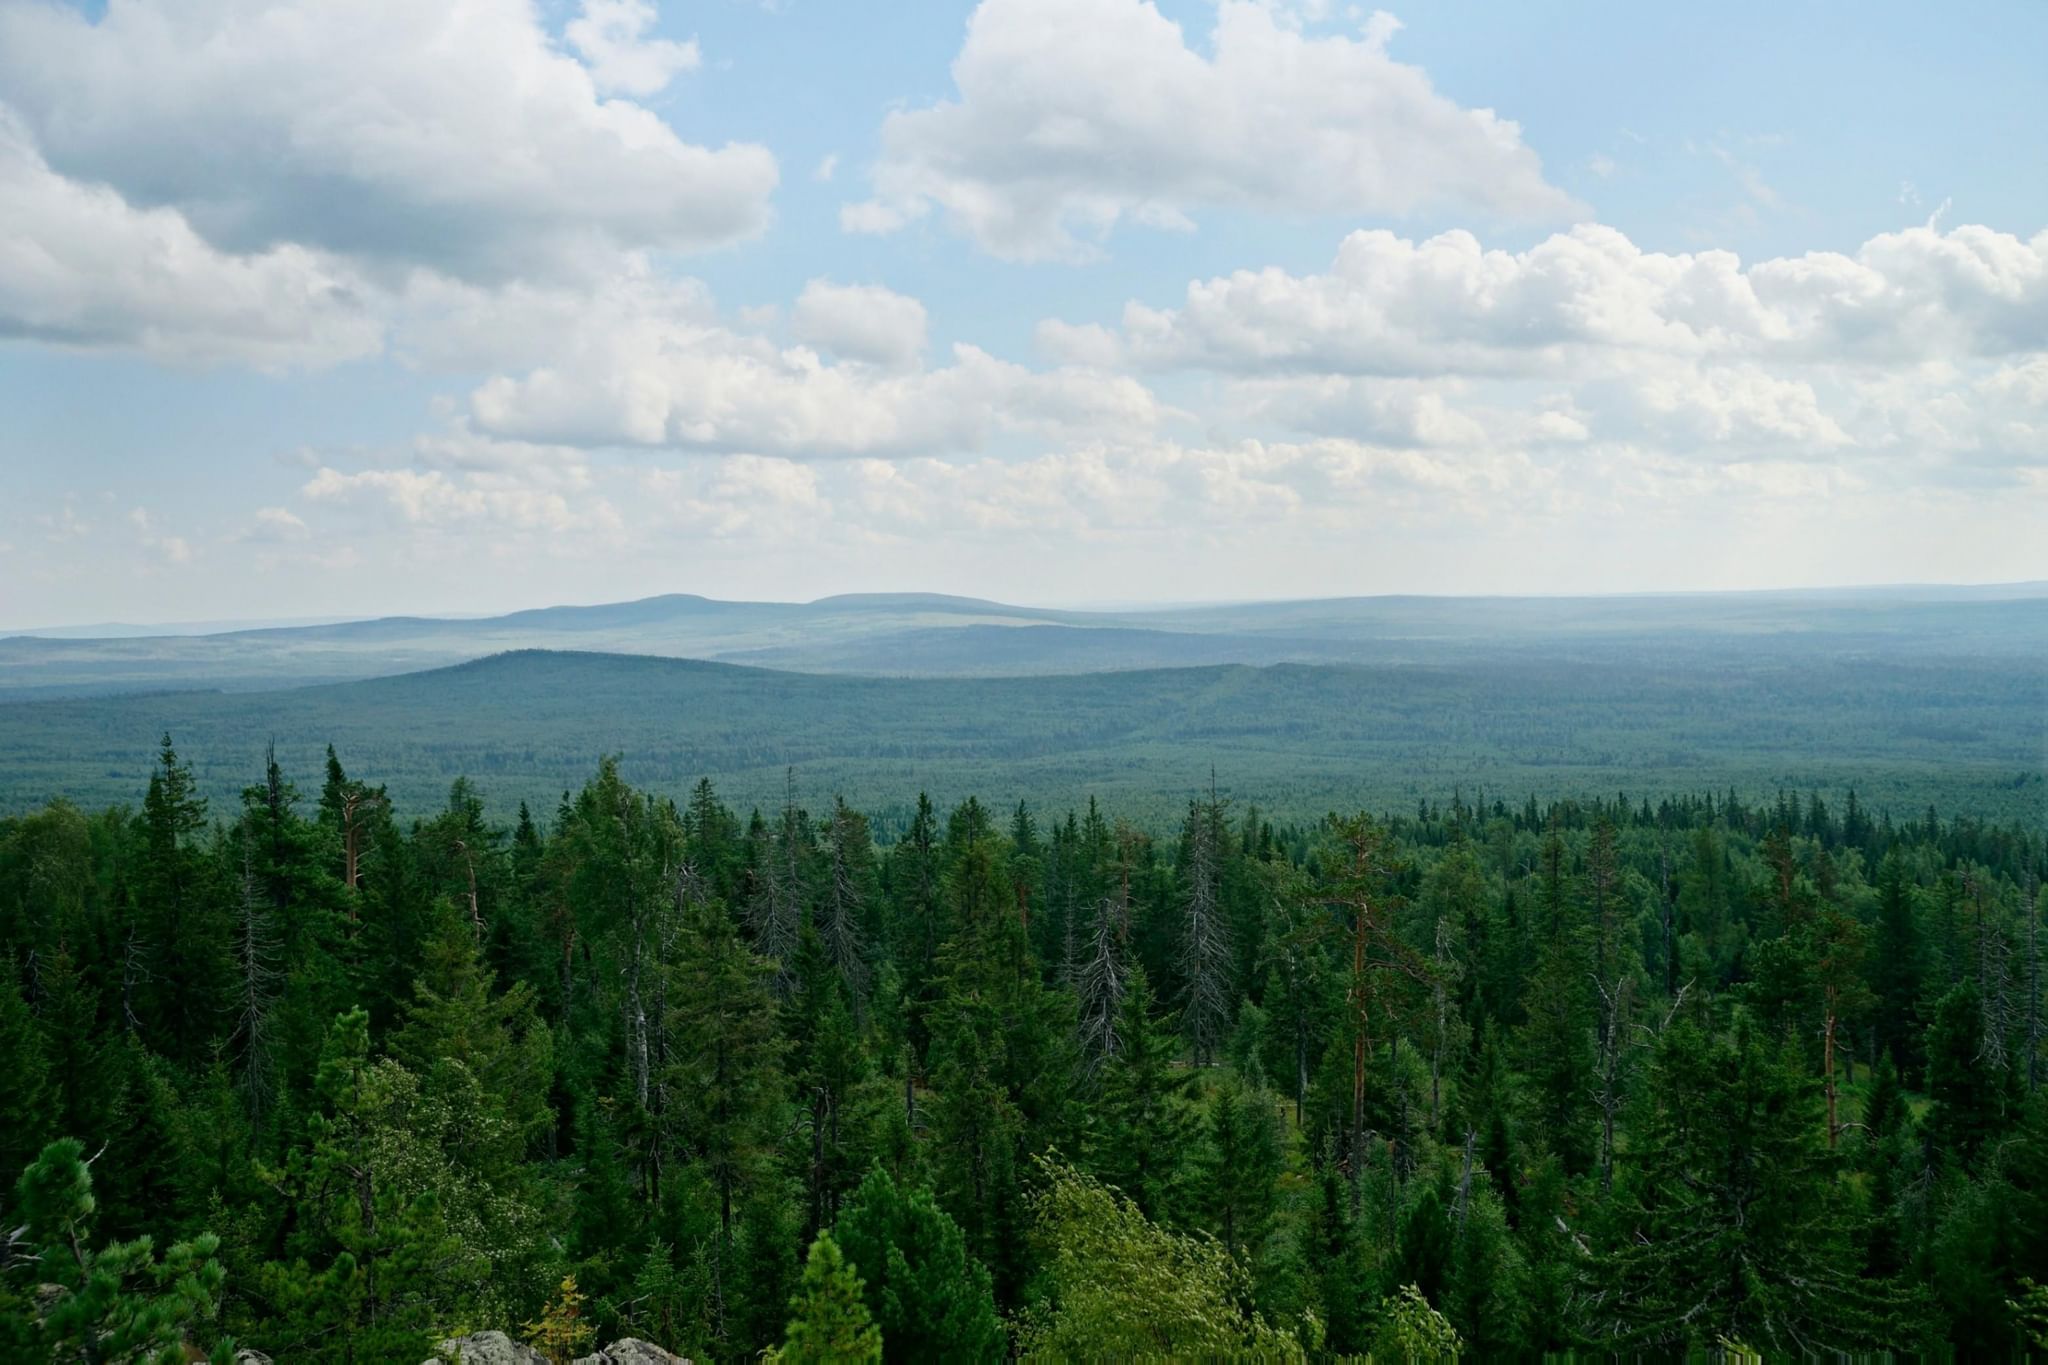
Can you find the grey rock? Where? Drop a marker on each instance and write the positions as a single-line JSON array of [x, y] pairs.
[[245, 1356], [633, 1351], [487, 1348]]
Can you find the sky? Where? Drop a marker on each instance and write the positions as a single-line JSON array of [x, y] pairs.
[[361, 307]]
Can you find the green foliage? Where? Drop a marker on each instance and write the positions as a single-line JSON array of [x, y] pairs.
[[65, 1299], [374, 1268], [1144, 1124], [1118, 1285], [929, 1297], [445, 1063], [1732, 1226], [829, 1321], [24, 1098], [1413, 1331], [562, 1331]]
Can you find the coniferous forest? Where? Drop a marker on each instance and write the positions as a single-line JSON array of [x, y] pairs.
[[1711, 1074]]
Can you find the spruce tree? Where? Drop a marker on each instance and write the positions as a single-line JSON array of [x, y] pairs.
[[1144, 1126], [1239, 1165], [1731, 1225], [726, 1069]]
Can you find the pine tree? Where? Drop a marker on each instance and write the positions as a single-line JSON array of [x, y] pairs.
[[1896, 967], [1970, 1101], [461, 1038], [930, 1298], [827, 1066], [848, 892], [176, 968], [119, 1302], [829, 1323]]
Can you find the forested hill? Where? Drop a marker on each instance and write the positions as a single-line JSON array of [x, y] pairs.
[[923, 634], [1963, 734], [1651, 1081]]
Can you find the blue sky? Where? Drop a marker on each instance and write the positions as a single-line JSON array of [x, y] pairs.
[[318, 308]]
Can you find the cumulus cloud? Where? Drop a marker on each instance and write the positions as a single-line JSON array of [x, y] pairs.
[[692, 384], [433, 498], [1400, 413], [860, 322], [737, 496], [276, 525], [458, 138], [1447, 305], [1075, 115], [611, 37], [81, 267]]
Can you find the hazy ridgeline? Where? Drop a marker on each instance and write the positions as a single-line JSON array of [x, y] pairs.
[[1909, 702]]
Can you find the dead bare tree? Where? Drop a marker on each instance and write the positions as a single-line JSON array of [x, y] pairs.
[[2033, 912], [1614, 1003], [357, 801], [1205, 956], [774, 911], [841, 929], [1101, 981], [257, 978], [476, 919]]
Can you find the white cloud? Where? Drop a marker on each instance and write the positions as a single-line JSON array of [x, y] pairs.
[[1399, 413], [860, 322], [171, 550], [276, 525], [431, 498], [1075, 115], [451, 325], [692, 384], [457, 137], [827, 167], [611, 37], [1447, 305], [80, 267], [737, 496]]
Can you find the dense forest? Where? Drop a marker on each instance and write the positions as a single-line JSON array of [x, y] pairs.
[[1707, 1073]]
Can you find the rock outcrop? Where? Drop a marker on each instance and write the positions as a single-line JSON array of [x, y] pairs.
[[487, 1348], [495, 1348], [633, 1351]]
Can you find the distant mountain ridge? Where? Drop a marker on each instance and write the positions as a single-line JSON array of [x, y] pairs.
[[939, 635]]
